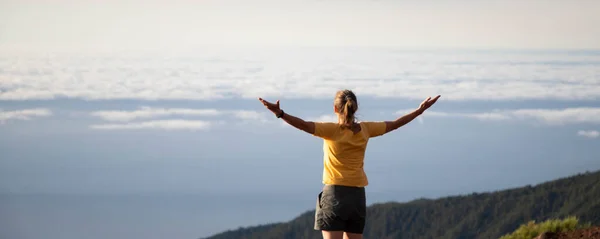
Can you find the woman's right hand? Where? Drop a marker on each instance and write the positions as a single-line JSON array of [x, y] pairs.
[[272, 107]]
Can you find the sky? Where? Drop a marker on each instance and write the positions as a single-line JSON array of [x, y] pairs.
[[195, 118], [183, 25], [160, 98]]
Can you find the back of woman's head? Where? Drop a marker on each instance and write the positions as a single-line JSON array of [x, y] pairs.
[[346, 105]]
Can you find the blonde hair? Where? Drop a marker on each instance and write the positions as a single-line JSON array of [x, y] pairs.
[[346, 105]]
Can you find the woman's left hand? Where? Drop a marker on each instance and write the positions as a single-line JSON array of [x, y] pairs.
[[428, 103]]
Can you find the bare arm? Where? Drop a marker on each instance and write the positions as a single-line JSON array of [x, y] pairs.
[[306, 126], [405, 119]]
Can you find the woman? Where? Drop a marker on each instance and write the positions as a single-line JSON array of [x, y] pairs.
[[341, 205]]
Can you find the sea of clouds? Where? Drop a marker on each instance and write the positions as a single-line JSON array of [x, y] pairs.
[[302, 73], [306, 73]]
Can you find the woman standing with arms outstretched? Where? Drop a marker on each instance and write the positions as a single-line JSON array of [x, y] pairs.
[[341, 205]]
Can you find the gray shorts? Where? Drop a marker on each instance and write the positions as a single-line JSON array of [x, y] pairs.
[[341, 208]]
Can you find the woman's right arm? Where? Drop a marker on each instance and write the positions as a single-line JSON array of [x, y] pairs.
[[407, 118], [306, 126]]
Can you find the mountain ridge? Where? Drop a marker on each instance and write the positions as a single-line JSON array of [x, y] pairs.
[[480, 214]]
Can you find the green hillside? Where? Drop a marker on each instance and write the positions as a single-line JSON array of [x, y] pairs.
[[478, 215]]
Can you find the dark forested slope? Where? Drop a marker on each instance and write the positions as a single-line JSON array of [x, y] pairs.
[[478, 215]]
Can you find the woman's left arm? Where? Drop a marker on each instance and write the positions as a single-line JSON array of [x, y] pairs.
[[306, 126]]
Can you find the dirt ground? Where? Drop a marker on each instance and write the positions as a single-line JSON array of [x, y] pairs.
[[590, 233]]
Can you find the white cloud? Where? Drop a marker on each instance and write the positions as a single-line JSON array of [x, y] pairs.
[[479, 116], [157, 124], [324, 118], [148, 112], [26, 114], [562, 116], [248, 115], [588, 133], [303, 73], [240, 116], [587, 115]]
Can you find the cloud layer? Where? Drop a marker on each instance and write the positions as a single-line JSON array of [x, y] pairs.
[[127, 119], [587, 115], [324, 118], [148, 112], [157, 124], [303, 73], [26, 114], [589, 133]]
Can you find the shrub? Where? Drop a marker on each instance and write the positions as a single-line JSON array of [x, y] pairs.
[[532, 229]]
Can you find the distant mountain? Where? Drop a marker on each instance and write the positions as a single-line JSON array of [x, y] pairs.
[[478, 215]]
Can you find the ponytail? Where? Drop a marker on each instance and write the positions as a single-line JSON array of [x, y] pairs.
[[346, 105], [348, 112]]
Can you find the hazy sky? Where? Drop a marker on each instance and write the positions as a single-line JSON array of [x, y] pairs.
[[183, 24]]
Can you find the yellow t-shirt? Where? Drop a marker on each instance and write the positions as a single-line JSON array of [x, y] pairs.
[[344, 152]]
